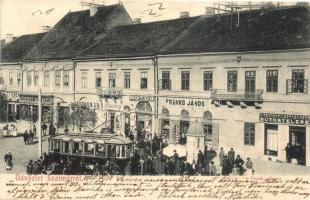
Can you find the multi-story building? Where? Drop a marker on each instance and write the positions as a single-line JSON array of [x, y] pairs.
[[49, 66], [11, 77], [219, 82], [232, 80]]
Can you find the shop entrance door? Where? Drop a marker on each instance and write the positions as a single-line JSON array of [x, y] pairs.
[[298, 141]]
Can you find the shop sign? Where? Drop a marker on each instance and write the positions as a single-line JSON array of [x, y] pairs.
[[141, 98], [12, 95], [186, 102], [92, 105], [46, 100], [285, 118]]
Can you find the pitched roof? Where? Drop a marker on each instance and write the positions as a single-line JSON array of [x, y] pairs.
[[77, 30], [281, 28], [278, 28], [16, 50], [138, 39]]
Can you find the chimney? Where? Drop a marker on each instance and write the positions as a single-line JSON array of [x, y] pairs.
[[137, 21], [210, 11], [93, 9], [9, 38], [46, 28], [184, 14]]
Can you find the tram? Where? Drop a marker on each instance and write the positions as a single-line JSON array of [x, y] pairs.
[[91, 147]]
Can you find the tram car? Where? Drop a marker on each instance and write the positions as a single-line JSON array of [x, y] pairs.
[[91, 148]]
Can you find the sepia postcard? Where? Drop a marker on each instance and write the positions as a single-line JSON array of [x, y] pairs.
[[154, 99]]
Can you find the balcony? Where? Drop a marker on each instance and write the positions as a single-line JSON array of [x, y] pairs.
[[239, 95], [294, 86], [110, 92], [164, 84]]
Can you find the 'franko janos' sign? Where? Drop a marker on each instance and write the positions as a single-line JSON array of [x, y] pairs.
[[186, 102], [285, 118]]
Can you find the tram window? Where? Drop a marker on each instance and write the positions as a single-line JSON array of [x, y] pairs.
[[100, 150], [77, 148], [65, 147], [123, 151], [118, 154], [89, 148]]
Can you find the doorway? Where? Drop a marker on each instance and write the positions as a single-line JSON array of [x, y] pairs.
[[297, 137]]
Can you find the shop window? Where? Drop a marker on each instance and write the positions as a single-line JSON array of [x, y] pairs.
[[207, 80], [232, 78], [57, 77], [143, 82], [84, 79], [272, 80], [112, 77], [249, 133], [185, 78], [271, 139], [66, 78], [127, 80]]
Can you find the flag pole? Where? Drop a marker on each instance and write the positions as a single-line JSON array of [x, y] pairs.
[[40, 124]]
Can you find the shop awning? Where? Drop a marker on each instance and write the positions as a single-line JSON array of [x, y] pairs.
[[180, 149]]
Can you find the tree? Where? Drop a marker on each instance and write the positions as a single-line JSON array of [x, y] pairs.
[[82, 116]]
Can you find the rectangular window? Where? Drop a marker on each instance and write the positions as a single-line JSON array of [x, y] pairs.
[[1, 77], [84, 79], [249, 133], [185, 80], [29, 77], [46, 78], [19, 78], [272, 80], [98, 79], [112, 77], [66, 78], [36, 78], [271, 139], [143, 83], [10, 78], [232, 81], [250, 82], [207, 80], [57, 77], [298, 81], [166, 83], [127, 80]]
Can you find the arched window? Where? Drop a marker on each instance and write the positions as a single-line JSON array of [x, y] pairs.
[[165, 112], [184, 115], [207, 117], [144, 106]]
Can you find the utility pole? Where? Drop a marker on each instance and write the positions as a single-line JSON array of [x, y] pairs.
[[40, 124]]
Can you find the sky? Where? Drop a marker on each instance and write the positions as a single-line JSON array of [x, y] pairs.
[[20, 17]]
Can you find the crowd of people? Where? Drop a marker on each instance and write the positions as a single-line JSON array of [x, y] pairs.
[[29, 135], [295, 152]]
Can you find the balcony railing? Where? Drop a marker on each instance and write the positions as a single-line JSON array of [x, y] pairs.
[[239, 95], [164, 84], [110, 92], [296, 86]]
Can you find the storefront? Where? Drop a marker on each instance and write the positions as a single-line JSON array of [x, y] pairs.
[[144, 119], [283, 129]]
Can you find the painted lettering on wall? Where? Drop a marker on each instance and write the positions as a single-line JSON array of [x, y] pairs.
[[285, 118], [183, 102]]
